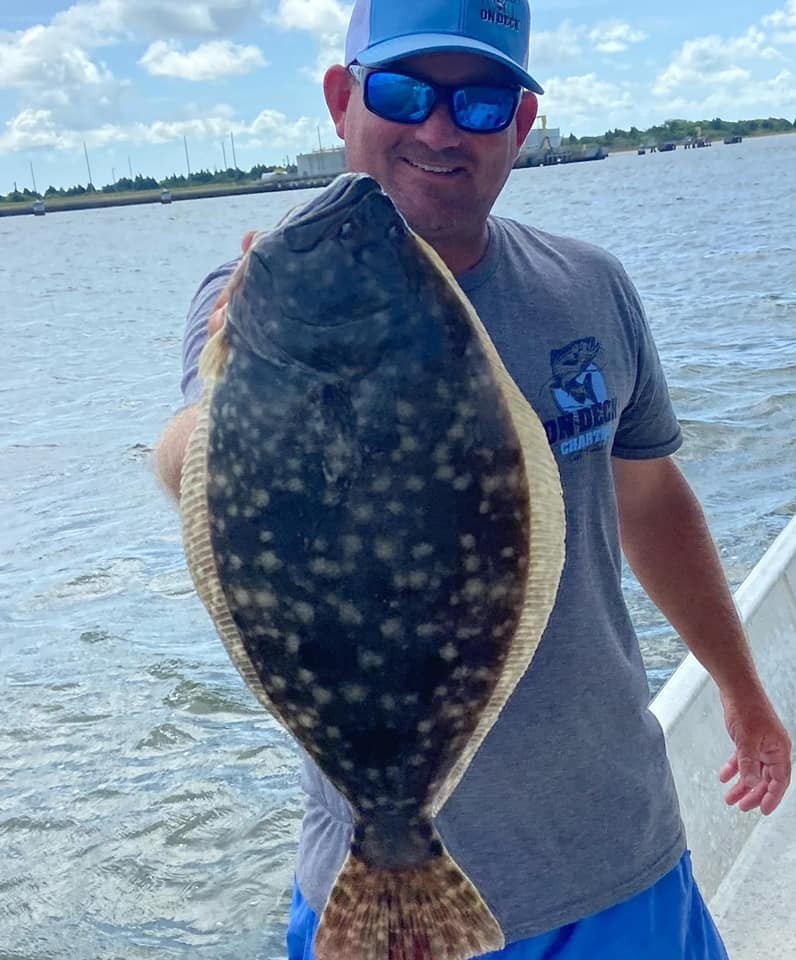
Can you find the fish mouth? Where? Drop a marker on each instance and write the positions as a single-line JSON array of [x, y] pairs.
[[347, 192]]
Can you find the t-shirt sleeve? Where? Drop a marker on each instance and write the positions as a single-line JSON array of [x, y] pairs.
[[648, 427], [195, 336]]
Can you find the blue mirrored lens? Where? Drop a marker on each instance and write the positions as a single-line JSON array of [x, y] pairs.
[[396, 97], [484, 109]]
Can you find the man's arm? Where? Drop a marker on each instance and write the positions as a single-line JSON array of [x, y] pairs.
[[667, 544], [170, 449]]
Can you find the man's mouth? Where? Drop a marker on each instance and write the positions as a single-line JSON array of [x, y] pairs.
[[433, 168]]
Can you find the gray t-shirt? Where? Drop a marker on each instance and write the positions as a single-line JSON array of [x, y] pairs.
[[569, 806]]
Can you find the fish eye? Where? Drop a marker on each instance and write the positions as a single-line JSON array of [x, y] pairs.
[[346, 230], [393, 233]]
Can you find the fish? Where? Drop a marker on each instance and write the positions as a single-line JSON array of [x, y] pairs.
[[372, 516]]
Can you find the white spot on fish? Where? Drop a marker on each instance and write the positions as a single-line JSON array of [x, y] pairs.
[[473, 589], [354, 692], [306, 676], [381, 484], [242, 597], [268, 561], [422, 550], [333, 733], [349, 614], [384, 549], [415, 484], [391, 628], [467, 541], [277, 682], [388, 702], [369, 660], [351, 544], [322, 696], [266, 599], [449, 652], [304, 612]]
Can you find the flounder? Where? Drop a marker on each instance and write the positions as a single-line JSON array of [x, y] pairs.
[[374, 520]]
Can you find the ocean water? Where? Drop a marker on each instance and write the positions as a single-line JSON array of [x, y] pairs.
[[148, 808]]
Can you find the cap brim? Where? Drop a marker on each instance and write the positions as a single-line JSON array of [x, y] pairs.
[[398, 48]]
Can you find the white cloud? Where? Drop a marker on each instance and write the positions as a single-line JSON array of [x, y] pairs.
[[782, 18], [316, 16], [714, 61], [327, 20], [615, 37], [210, 61], [581, 101], [551, 48], [32, 129]]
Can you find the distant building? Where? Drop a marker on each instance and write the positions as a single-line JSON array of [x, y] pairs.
[[321, 163], [541, 139]]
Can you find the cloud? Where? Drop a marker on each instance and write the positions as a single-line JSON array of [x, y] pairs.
[[32, 129], [327, 20], [615, 37], [551, 48], [210, 61], [576, 101], [714, 61], [783, 23]]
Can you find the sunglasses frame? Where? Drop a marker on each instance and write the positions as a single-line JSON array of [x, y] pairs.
[[442, 92]]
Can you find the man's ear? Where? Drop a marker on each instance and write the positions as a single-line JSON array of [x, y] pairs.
[[337, 83], [526, 114]]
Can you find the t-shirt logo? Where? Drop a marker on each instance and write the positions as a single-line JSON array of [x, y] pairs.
[[581, 394]]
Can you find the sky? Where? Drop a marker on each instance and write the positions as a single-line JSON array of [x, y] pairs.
[[137, 80]]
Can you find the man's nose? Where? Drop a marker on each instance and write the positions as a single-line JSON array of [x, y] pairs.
[[439, 132]]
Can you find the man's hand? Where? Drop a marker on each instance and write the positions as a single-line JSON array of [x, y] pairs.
[[762, 757], [216, 319]]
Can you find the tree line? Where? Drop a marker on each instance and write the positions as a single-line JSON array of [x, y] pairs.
[[677, 131], [139, 182]]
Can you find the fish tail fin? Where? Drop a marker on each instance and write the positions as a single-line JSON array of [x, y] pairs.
[[428, 912], [213, 357]]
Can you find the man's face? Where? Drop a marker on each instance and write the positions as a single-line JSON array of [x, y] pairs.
[[444, 180]]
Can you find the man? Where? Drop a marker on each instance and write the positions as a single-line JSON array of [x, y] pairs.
[[567, 820]]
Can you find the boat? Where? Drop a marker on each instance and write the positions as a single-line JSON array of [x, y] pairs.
[[38, 208], [745, 863], [165, 196], [735, 139]]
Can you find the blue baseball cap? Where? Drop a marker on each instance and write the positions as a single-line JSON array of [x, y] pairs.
[[381, 31]]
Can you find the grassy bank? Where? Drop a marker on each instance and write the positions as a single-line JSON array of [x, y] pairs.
[[96, 200]]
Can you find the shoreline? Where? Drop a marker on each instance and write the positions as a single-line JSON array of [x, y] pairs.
[[98, 200]]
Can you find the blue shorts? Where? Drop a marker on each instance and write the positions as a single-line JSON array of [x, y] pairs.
[[669, 921]]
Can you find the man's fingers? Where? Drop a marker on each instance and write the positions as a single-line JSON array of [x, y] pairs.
[[248, 239], [729, 770], [216, 320], [773, 797], [753, 797]]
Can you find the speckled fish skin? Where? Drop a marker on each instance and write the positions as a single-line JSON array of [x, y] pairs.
[[369, 516]]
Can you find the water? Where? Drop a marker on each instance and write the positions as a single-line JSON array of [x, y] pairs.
[[147, 806]]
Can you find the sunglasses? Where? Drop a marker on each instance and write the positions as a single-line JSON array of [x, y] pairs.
[[474, 107]]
